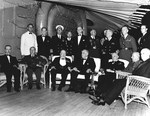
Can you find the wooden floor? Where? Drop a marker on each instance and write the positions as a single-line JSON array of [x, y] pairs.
[[46, 103]]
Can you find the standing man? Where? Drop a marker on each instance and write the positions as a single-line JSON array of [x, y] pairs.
[[28, 40], [81, 42], [127, 44], [70, 47], [144, 41], [10, 67], [109, 46], [85, 66], [94, 44], [58, 40], [44, 43]]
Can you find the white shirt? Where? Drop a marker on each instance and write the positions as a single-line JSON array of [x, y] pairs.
[[43, 38], [79, 39], [84, 62], [8, 58], [28, 41], [59, 36], [62, 62]]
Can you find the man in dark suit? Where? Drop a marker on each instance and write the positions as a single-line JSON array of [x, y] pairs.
[[105, 81], [35, 64], [143, 69], [94, 44], [85, 66], [60, 65], [109, 46], [81, 42], [44, 43], [145, 39], [70, 47], [58, 40], [10, 67]]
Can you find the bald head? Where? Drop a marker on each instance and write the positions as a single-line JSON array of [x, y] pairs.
[[135, 56], [145, 54], [114, 56]]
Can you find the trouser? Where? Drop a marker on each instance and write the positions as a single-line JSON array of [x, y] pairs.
[[63, 72], [16, 73], [84, 83], [37, 72], [104, 60], [115, 91]]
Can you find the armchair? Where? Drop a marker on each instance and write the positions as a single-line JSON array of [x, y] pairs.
[[42, 81]]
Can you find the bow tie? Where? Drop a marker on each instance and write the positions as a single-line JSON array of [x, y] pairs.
[[30, 33]]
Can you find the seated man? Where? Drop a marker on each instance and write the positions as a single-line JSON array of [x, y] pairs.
[[35, 64], [84, 66], [105, 81], [135, 62], [10, 67], [60, 65], [143, 69]]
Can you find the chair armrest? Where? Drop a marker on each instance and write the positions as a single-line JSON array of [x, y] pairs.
[[122, 75]]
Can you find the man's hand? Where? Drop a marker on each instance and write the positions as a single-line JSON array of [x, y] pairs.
[[53, 67], [88, 71], [75, 69], [38, 65], [109, 70]]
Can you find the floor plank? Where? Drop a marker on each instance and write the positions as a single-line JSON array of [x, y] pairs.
[[44, 102]]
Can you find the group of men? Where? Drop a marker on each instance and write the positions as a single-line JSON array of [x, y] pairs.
[[81, 48]]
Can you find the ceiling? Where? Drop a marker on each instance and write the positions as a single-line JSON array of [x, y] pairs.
[[102, 13], [111, 13]]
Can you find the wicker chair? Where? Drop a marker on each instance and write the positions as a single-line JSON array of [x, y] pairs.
[[25, 77], [136, 90]]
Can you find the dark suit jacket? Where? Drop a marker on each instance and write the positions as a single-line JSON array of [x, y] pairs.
[[143, 69], [58, 44], [6, 66], [57, 65], [144, 42], [70, 47], [44, 46], [95, 46], [89, 64], [84, 44], [33, 61]]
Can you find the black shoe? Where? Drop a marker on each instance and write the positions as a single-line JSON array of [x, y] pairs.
[[101, 103], [53, 89], [77, 91], [8, 91], [38, 87], [30, 87], [59, 88], [70, 89], [83, 91], [17, 90]]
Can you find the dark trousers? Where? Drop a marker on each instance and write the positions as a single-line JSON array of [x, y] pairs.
[[63, 72], [104, 60], [104, 83], [74, 79], [47, 76], [9, 73], [113, 92], [37, 72]]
